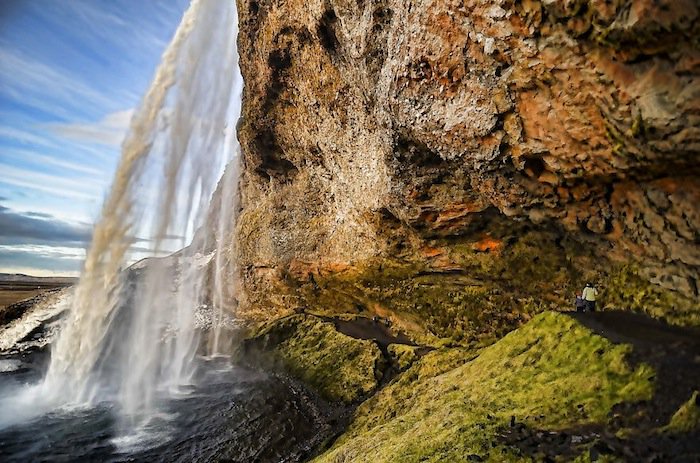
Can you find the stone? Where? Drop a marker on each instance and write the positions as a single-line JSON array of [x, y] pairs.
[[371, 128]]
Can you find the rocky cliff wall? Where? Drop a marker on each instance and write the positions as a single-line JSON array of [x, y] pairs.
[[455, 166]]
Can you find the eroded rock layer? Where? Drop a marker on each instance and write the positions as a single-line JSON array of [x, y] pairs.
[[448, 164]]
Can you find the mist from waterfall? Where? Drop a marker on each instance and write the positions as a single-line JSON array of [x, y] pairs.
[[130, 336]]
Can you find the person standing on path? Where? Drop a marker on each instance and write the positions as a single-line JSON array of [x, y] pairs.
[[589, 295]]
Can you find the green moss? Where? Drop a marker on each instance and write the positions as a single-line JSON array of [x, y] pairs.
[[586, 458], [550, 374], [402, 355], [687, 418], [625, 289], [466, 297], [638, 128], [339, 367], [475, 299]]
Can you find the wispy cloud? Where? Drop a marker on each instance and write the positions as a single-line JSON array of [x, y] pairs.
[[32, 83], [37, 263], [68, 70], [108, 131], [24, 136], [109, 22], [84, 189], [43, 160], [54, 252], [38, 215]]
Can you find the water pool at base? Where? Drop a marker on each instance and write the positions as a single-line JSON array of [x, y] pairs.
[[231, 414]]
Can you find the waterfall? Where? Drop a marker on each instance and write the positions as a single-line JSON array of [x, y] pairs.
[[130, 335]]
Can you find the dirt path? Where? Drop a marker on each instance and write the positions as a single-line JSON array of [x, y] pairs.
[[639, 330], [367, 328], [674, 353]]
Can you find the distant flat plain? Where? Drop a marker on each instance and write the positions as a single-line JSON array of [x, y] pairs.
[[16, 287]]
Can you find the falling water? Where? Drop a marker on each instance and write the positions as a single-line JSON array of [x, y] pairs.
[[130, 335]]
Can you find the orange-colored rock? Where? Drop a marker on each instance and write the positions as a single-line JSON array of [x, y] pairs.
[[429, 252], [488, 244], [371, 128]]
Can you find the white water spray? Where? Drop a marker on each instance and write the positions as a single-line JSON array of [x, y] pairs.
[[130, 335]]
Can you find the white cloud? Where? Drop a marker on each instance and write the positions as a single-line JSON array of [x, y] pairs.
[[108, 131], [26, 80], [40, 271], [43, 160], [24, 136], [97, 19], [53, 184], [41, 260]]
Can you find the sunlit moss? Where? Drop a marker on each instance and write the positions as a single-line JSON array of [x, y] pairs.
[[550, 374], [339, 367], [586, 458], [476, 298], [625, 289]]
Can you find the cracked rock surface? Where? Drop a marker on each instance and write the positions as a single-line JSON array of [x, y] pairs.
[[385, 130]]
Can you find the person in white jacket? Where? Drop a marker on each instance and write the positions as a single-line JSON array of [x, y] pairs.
[[589, 296]]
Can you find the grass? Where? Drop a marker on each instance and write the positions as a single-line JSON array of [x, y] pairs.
[[626, 289], [337, 366], [687, 418], [550, 374], [402, 355]]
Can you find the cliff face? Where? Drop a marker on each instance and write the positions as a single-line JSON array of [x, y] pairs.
[[454, 165]]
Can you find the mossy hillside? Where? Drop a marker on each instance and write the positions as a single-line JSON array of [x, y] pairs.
[[626, 289], [339, 367], [402, 355], [550, 374], [687, 418], [464, 295]]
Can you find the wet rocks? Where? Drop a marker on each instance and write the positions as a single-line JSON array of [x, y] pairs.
[[37, 326]]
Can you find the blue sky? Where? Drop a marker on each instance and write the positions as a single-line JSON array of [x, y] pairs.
[[71, 73]]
